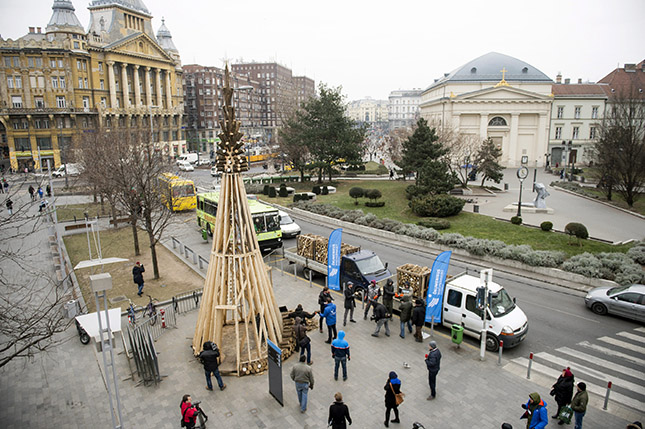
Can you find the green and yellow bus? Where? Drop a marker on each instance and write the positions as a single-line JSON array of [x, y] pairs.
[[266, 219], [176, 193]]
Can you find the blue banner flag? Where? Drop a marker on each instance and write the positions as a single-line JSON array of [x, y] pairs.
[[333, 259], [434, 300]]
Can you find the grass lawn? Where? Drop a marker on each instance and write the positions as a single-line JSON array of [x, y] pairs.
[[68, 212], [175, 276], [467, 224]]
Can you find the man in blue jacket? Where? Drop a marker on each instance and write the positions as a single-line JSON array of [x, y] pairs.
[[330, 318], [536, 413], [340, 353]]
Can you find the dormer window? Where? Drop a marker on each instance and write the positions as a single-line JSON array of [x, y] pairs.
[[473, 70], [525, 70], [497, 121]]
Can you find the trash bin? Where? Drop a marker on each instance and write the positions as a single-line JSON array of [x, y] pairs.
[[506, 186], [475, 208], [457, 334], [71, 307], [205, 234]]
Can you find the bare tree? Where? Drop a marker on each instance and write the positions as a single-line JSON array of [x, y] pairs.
[[395, 141], [463, 149]]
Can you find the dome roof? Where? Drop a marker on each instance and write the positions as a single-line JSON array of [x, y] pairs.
[[134, 5], [165, 38], [488, 68], [63, 18]]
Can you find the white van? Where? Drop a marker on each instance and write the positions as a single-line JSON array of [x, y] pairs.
[[505, 320], [72, 170], [190, 157]]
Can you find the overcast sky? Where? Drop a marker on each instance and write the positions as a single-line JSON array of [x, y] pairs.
[[373, 47]]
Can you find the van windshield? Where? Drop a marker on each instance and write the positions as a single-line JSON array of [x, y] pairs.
[[501, 304], [370, 266]]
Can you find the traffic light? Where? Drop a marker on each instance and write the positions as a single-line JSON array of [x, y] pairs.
[[481, 297]]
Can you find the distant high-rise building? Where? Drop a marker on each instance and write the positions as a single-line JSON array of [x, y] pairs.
[[63, 82]]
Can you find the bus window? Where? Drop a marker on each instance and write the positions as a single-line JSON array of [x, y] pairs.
[[183, 191], [273, 222], [258, 223]]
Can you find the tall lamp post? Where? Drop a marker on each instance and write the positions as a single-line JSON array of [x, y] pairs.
[[567, 147], [522, 173]]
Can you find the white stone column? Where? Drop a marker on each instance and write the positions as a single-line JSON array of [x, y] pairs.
[[137, 90], [542, 144], [148, 87], [168, 91], [513, 156], [124, 84], [483, 126], [158, 88], [111, 83]]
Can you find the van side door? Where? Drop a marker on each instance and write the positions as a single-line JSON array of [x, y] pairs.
[[453, 301], [473, 319]]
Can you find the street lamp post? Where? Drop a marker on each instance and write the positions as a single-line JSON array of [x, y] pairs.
[[522, 174], [567, 147]]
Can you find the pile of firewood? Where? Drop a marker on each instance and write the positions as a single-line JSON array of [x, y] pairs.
[[414, 277], [314, 247]]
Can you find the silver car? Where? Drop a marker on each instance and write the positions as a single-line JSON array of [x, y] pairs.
[[625, 301]]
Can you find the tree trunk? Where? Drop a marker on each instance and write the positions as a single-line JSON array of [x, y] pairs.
[[483, 180], [135, 234], [320, 172], [302, 175], [330, 171], [153, 251]]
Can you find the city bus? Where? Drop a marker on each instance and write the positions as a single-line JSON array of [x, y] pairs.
[[266, 219], [176, 193]]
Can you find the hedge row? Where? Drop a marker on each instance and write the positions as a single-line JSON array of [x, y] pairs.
[[620, 267]]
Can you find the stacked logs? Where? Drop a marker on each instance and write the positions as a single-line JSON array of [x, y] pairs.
[[414, 277], [314, 247]]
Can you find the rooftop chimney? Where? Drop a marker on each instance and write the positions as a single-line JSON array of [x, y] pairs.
[[32, 29], [579, 80], [558, 78], [567, 81]]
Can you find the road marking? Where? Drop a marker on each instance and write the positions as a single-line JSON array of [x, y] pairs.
[[575, 368], [640, 330], [612, 352], [561, 311], [598, 390], [636, 338], [597, 361], [622, 344]]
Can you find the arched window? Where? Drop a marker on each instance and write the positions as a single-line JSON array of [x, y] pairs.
[[497, 121]]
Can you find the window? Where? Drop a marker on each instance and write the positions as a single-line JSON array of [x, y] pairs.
[[44, 143], [40, 102], [60, 63], [560, 112], [10, 82], [78, 62], [471, 305], [633, 298], [102, 84], [497, 121], [16, 61], [7, 61], [86, 102], [62, 81], [77, 46], [592, 133], [84, 122], [41, 123], [594, 112], [55, 82], [100, 66], [39, 62], [80, 82], [576, 131], [18, 81], [22, 144], [103, 102], [60, 101], [52, 63], [30, 62], [454, 298], [16, 101], [558, 132], [576, 112]]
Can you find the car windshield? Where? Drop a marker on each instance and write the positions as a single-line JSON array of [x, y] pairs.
[[501, 304], [615, 290], [285, 219], [370, 266]]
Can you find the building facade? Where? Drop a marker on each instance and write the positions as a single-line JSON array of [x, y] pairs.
[[495, 96], [403, 108], [368, 111], [64, 82]]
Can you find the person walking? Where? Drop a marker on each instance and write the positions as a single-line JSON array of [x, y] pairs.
[[303, 342], [210, 359], [372, 296], [388, 297], [350, 302], [330, 319], [579, 404], [562, 390], [137, 276], [49, 191], [322, 300], [418, 319], [5, 185], [40, 193], [381, 318], [9, 205], [303, 376], [392, 387], [188, 411], [406, 314], [340, 353], [2, 182], [32, 192], [391, 174], [338, 413], [433, 363], [536, 413]]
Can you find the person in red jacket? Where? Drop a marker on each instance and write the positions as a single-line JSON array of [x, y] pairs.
[[188, 411]]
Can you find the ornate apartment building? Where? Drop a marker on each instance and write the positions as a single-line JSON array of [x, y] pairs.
[[368, 111], [403, 108], [58, 84]]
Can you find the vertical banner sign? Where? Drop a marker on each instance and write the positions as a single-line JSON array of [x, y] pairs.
[[333, 259], [275, 371], [436, 285]]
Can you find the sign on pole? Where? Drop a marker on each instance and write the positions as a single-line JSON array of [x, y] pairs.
[[333, 259], [275, 371], [436, 284]]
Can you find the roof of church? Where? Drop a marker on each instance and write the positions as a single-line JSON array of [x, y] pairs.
[[165, 38], [135, 5], [488, 68], [64, 18]]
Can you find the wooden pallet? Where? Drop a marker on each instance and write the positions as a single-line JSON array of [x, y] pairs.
[[411, 276]]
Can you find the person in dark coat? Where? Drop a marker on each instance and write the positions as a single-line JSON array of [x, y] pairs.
[[562, 390], [302, 314], [338, 413], [303, 342], [9, 205], [381, 318], [322, 301], [433, 363], [392, 387], [210, 360], [406, 314], [579, 404], [32, 192], [418, 319], [350, 302], [388, 297], [137, 276]]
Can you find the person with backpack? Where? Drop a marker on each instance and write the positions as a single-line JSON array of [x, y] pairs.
[[210, 359], [188, 412]]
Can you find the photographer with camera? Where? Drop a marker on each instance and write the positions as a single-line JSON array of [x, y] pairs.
[[189, 412], [210, 359]]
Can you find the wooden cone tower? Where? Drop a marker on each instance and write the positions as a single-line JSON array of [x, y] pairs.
[[238, 310]]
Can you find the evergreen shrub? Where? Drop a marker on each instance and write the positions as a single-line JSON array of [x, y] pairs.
[[435, 223], [546, 226], [436, 205]]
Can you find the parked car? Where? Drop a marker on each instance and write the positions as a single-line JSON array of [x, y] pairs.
[[72, 170], [288, 226], [185, 166], [625, 301], [215, 172]]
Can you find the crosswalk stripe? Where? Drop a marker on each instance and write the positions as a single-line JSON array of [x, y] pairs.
[[632, 337], [640, 330], [575, 368], [622, 344], [597, 390], [612, 352], [610, 366]]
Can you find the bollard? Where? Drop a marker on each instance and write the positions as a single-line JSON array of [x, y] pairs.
[[528, 371], [281, 267], [162, 311], [501, 347], [311, 276], [604, 407], [295, 267]]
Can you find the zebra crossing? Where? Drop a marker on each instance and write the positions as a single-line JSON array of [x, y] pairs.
[[619, 359]]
